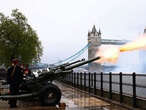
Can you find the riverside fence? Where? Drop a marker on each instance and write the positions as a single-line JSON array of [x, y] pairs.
[[127, 89]]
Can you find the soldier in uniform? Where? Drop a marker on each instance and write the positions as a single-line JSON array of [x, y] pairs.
[[14, 79], [27, 71]]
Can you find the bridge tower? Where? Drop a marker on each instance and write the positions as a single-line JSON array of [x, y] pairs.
[[145, 30], [94, 40]]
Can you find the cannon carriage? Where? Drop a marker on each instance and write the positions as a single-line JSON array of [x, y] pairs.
[[41, 88]]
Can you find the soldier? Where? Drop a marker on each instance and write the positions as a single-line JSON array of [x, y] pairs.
[[22, 68], [14, 79], [27, 71]]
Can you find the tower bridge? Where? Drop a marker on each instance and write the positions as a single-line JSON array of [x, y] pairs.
[[95, 40]]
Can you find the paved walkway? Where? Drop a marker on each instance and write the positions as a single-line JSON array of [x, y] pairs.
[[73, 98]]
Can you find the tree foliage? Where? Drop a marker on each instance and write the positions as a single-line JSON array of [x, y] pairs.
[[18, 39]]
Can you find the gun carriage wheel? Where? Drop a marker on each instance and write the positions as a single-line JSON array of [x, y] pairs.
[[50, 95]]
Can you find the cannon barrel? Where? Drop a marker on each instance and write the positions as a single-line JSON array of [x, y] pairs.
[[75, 62], [81, 63], [67, 64]]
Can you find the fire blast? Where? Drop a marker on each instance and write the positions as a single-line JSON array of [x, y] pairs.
[[110, 53]]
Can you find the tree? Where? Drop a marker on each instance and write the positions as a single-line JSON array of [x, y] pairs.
[[18, 39]]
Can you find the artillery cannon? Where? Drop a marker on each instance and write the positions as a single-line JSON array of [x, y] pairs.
[[66, 64], [42, 88]]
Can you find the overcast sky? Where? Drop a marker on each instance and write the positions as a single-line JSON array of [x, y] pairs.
[[62, 25]]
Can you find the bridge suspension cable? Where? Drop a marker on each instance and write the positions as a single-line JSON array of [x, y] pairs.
[[77, 56], [74, 56]]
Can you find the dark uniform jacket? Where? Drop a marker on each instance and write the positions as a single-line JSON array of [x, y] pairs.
[[14, 75]]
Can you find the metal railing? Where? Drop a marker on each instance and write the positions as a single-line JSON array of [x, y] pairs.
[[132, 85]]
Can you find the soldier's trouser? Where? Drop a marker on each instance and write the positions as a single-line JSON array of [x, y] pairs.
[[14, 90]]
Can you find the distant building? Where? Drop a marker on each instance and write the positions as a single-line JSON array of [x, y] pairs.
[[145, 30], [142, 55]]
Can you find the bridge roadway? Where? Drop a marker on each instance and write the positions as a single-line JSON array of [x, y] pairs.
[[74, 99], [113, 42]]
